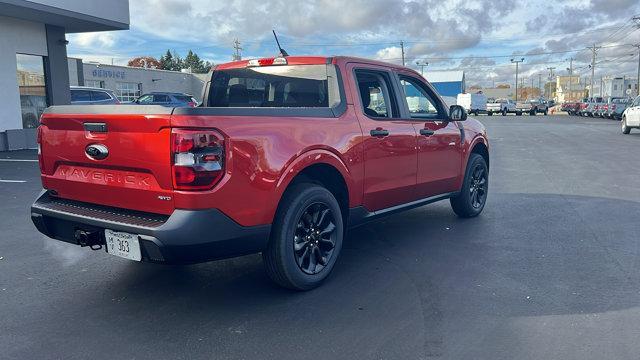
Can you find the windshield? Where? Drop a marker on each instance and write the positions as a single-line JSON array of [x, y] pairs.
[[297, 86]]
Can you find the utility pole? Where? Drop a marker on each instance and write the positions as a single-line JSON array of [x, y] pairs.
[[550, 80], [237, 55], [638, 78], [570, 76], [517, 62], [594, 50], [637, 20], [402, 48], [422, 66], [540, 84]]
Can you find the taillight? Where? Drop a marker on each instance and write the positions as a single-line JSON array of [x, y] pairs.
[[39, 141], [198, 158]]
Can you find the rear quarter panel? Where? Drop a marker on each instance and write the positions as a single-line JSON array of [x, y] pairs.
[[265, 153]]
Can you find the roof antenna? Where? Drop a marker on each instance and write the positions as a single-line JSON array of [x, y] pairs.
[[283, 52]]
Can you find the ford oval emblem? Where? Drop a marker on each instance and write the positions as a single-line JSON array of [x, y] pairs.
[[97, 151]]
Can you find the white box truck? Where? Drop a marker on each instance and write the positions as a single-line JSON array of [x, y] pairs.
[[473, 103]]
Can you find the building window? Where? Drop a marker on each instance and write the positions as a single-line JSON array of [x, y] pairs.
[[615, 87], [32, 87], [94, 83], [127, 92]]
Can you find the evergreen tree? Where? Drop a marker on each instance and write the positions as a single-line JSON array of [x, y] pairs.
[[166, 61], [172, 61]]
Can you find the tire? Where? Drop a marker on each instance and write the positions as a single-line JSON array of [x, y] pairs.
[[490, 113], [625, 129], [532, 113], [546, 111], [466, 204], [291, 268], [504, 112], [518, 113]]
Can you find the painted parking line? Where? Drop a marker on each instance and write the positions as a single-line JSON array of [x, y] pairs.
[[12, 181], [19, 160]]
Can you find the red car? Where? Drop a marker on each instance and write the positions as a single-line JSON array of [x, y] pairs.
[[281, 158]]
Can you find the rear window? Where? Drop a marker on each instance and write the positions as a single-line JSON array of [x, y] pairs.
[[288, 86]]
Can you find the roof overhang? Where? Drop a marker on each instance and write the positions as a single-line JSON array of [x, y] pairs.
[[72, 21]]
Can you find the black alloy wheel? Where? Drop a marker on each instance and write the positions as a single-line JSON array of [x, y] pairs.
[[314, 238], [473, 195], [478, 186]]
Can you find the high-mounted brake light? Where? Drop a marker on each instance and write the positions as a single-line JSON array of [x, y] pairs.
[[198, 158], [267, 62]]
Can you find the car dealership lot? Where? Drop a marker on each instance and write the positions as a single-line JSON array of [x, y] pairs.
[[549, 270]]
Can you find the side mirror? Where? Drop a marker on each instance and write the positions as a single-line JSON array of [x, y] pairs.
[[457, 113]]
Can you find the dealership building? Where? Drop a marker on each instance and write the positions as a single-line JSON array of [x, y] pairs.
[[34, 68], [130, 82]]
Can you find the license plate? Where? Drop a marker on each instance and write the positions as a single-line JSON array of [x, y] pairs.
[[123, 244]]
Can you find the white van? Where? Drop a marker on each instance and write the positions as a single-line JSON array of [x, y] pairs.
[[473, 103]]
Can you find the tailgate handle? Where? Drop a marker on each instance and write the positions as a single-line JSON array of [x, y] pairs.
[[95, 127]]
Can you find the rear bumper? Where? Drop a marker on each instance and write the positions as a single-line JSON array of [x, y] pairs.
[[186, 236]]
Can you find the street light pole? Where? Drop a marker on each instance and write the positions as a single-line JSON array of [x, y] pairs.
[[422, 66], [517, 62]]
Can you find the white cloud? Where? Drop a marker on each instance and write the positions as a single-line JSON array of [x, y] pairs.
[[97, 40]]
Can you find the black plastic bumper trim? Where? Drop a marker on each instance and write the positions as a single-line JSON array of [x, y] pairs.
[[187, 236]]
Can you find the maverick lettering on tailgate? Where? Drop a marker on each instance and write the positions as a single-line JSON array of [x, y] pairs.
[[107, 177]]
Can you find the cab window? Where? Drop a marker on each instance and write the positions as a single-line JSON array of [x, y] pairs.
[[420, 103], [375, 94]]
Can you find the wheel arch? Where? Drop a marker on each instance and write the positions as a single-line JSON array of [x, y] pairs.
[[480, 148], [324, 168]]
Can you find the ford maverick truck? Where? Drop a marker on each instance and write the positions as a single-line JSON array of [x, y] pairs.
[[283, 156]]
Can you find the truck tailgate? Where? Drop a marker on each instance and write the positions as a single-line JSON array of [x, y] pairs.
[[136, 173]]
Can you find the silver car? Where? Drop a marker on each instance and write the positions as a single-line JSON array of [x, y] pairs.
[[84, 95]]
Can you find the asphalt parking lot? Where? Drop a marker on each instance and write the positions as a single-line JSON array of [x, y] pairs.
[[548, 271]]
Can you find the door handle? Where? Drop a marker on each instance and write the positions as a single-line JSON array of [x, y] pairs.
[[426, 132], [379, 132]]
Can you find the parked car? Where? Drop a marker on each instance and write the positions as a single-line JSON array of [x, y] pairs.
[[591, 105], [631, 116], [501, 106], [167, 99], [532, 107], [275, 161], [84, 95], [570, 108], [582, 106], [617, 107], [473, 103]]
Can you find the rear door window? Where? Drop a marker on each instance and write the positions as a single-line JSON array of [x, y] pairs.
[[80, 95], [284, 86], [159, 98], [376, 94], [100, 96], [183, 98]]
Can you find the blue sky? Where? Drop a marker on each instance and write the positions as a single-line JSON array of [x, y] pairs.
[[457, 34]]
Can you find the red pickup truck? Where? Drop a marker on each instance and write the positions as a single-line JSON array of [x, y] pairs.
[[281, 158]]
